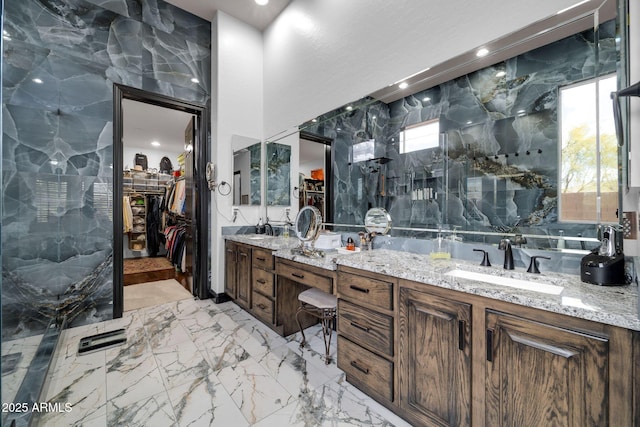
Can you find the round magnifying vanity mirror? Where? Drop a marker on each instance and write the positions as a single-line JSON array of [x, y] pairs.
[[378, 221], [307, 227]]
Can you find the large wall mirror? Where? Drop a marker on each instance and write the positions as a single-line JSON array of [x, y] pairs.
[[492, 146], [247, 156]]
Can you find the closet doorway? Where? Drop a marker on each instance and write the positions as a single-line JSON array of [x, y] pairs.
[[315, 172], [160, 200]]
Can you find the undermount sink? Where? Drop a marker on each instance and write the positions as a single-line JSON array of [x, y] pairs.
[[507, 281]]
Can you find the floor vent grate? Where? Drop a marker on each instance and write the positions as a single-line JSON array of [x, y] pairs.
[[102, 341]]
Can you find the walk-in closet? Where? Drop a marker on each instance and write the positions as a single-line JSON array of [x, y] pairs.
[[157, 153]]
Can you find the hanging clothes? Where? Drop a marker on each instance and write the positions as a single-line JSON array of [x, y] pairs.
[[127, 214], [175, 238], [153, 225]]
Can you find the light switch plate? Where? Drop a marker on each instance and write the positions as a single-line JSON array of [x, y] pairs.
[[630, 225]]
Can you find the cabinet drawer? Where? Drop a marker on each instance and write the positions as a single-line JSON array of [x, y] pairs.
[[366, 370], [364, 289], [305, 277], [262, 258], [263, 282], [365, 327], [262, 307]]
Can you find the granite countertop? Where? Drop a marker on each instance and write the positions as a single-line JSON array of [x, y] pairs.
[[264, 241], [612, 305]]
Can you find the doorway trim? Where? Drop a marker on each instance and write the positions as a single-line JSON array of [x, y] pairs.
[[328, 172], [200, 284]]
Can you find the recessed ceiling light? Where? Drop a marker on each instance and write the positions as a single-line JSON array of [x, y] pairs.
[[482, 52], [403, 85], [501, 74], [155, 143], [262, 2], [194, 80], [37, 80], [426, 99], [314, 120]]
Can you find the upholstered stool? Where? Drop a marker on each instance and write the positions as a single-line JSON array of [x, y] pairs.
[[323, 306]]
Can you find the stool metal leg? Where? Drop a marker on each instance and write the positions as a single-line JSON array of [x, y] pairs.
[[304, 340], [327, 331]]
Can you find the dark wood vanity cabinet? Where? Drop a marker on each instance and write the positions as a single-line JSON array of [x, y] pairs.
[[458, 359], [542, 375], [434, 347], [237, 281], [263, 286], [366, 346]]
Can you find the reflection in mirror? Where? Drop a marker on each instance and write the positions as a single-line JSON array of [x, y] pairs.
[[479, 153], [307, 227], [377, 220], [246, 170], [278, 174]]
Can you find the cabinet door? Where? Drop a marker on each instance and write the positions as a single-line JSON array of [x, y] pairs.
[[435, 366], [244, 276], [540, 375], [230, 268]]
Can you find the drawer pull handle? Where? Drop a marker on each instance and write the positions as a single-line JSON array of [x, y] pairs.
[[261, 259], [462, 326], [262, 306], [362, 328], [359, 289], [490, 345], [360, 368], [298, 275], [261, 281], [243, 254]]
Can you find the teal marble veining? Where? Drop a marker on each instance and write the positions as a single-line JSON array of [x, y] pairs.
[[57, 154], [496, 170]]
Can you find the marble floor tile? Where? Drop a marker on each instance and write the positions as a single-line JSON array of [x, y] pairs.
[[155, 410], [25, 349], [221, 350], [163, 328], [80, 382], [254, 391], [292, 371], [181, 364], [205, 402], [195, 363], [133, 378]]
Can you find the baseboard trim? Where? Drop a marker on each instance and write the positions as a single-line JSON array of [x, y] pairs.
[[220, 298]]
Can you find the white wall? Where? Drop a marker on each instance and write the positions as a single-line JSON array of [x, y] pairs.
[[237, 109], [322, 54]]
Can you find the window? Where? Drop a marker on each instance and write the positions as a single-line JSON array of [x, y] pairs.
[[363, 151], [420, 137], [50, 199], [589, 153]]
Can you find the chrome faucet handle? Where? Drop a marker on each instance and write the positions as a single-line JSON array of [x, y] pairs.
[[485, 259], [533, 265]]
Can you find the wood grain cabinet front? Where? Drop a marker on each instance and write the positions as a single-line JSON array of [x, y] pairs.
[[238, 273], [366, 370], [435, 359], [543, 375], [366, 327]]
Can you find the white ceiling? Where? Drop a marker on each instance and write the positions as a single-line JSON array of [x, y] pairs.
[[144, 123], [245, 10]]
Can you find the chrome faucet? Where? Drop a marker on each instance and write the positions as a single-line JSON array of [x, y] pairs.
[[505, 245]]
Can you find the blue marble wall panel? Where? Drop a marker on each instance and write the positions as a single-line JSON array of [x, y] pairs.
[[496, 168], [57, 150]]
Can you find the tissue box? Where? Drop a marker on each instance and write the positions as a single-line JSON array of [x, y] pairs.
[[328, 240]]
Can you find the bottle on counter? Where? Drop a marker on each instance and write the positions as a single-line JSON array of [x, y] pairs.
[[351, 246]]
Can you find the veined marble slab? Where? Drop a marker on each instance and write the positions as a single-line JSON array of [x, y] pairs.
[[612, 305]]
